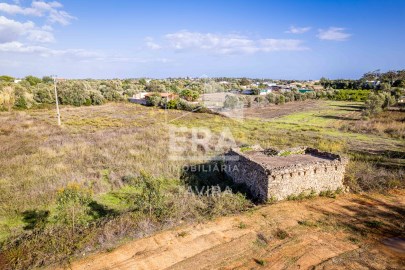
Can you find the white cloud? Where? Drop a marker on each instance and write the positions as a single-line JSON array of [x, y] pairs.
[[151, 44], [39, 9], [18, 47], [229, 44], [268, 45], [38, 35], [11, 30], [298, 30], [60, 16], [17, 9], [333, 33]]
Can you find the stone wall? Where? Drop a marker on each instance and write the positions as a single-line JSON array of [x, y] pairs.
[[280, 182], [314, 177], [248, 172]]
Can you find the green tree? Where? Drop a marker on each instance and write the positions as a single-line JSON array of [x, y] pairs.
[[244, 82], [150, 199], [189, 95], [96, 97], [154, 100], [373, 105], [390, 77], [32, 80], [6, 78], [47, 79], [72, 205], [43, 93]]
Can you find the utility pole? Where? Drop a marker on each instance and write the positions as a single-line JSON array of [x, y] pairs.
[[56, 98]]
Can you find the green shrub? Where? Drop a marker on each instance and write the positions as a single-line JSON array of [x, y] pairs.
[[172, 104], [231, 102], [32, 80], [73, 206], [270, 97], [43, 93], [350, 95], [373, 105], [96, 98], [154, 100], [189, 95]]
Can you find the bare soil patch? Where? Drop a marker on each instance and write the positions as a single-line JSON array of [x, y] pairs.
[[321, 233]]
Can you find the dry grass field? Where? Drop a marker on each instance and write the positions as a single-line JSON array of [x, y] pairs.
[[103, 147]]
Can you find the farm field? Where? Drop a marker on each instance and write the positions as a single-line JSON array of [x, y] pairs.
[[101, 147]]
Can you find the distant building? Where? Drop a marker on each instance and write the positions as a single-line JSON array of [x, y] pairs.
[[373, 83], [168, 96], [142, 98], [248, 92], [140, 95], [264, 92], [275, 88], [318, 87], [306, 90]]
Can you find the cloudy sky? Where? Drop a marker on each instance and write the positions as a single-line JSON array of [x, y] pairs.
[[261, 39]]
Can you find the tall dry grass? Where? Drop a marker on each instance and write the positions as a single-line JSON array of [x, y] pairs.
[[390, 123]]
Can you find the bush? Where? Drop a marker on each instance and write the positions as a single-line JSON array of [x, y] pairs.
[[96, 98], [72, 94], [6, 78], [153, 100], [23, 99], [172, 104], [7, 98], [189, 95], [73, 206], [350, 95], [150, 198], [373, 105], [43, 93], [281, 99], [32, 80], [270, 97], [231, 102]]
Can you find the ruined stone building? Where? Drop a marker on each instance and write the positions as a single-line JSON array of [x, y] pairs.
[[271, 174]]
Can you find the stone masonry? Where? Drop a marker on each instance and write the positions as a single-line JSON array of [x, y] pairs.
[[271, 174]]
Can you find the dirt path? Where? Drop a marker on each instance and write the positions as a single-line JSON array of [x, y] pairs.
[[324, 233]]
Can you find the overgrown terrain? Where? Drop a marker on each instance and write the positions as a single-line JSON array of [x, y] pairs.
[[106, 176]]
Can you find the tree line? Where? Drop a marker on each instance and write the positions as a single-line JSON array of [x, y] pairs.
[[373, 80]]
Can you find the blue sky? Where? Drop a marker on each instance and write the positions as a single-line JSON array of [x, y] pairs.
[[261, 39]]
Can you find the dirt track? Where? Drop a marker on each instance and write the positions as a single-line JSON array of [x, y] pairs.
[[321, 233]]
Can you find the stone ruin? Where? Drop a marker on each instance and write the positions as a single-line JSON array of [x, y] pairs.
[[274, 175]]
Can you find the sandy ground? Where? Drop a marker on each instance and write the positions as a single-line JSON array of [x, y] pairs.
[[350, 232]]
